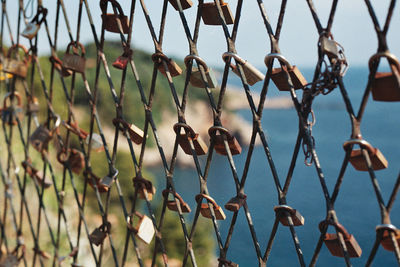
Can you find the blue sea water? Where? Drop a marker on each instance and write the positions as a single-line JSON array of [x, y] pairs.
[[356, 206]]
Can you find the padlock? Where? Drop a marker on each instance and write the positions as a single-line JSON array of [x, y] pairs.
[[386, 85], [40, 138], [171, 204], [135, 133], [99, 234], [328, 47], [195, 76], [143, 229], [173, 68], [10, 112], [235, 203], [205, 209], [184, 3], [35, 174], [108, 180], [33, 106], [4, 76], [357, 159], [227, 263], [386, 240], [93, 180], [122, 61], [33, 27], [75, 159], [184, 140], [210, 15], [297, 219], [74, 61], [143, 185], [58, 65], [252, 74], [219, 146], [110, 19], [14, 66], [333, 244], [97, 142], [279, 75]]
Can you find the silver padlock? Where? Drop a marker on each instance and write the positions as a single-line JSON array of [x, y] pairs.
[[97, 142], [33, 27], [329, 47], [195, 77], [108, 180], [252, 74], [144, 229]]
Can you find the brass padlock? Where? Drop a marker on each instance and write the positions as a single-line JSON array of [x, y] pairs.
[[122, 61], [297, 219], [99, 234], [195, 76], [93, 180], [143, 185], [386, 85], [210, 15], [58, 65], [328, 47], [40, 138], [143, 229], [235, 203], [279, 75], [13, 65], [33, 27], [110, 19], [171, 204], [184, 140], [135, 133], [357, 160], [219, 146], [75, 159], [75, 61], [252, 74], [9, 113], [386, 240], [205, 209], [332, 241], [108, 180], [173, 68], [184, 3], [35, 174]]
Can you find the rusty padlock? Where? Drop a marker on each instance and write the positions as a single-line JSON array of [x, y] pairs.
[[75, 159], [205, 209], [386, 240], [94, 181], [357, 160], [185, 4], [328, 46], [252, 74], [99, 234], [173, 68], [135, 133], [235, 203], [75, 61], [219, 146], [195, 76], [9, 113], [58, 65], [333, 244], [297, 219], [210, 15], [143, 185], [122, 61], [35, 174], [386, 85], [143, 229], [184, 140], [110, 19], [109, 179], [15, 66], [33, 105], [33, 27], [171, 204], [40, 138], [279, 75], [96, 140], [227, 263]]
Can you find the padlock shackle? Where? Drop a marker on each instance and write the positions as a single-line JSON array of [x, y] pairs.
[[27, 58], [118, 121], [138, 181], [392, 59], [199, 197], [268, 58], [386, 227], [198, 59], [340, 228], [61, 153], [287, 208], [227, 55], [158, 57], [165, 193], [8, 96], [114, 3], [73, 127], [187, 128], [76, 46], [361, 142], [41, 11], [212, 131]]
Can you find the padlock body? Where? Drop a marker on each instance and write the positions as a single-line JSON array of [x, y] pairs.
[[97, 237], [210, 15], [16, 67], [278, 76], [297, 218], [184, 3], [76, 161], [30, 30], [121, 62], [253, 75], [8, 115], [171, 205], [386, 241], [329, 47], [205, 212], [135, 134], [197, 81], [173, 68], [111, 25], [40, 138], [74, 62], [234, 145], [235, 203], [377, 159], [150, 192], [199, 146], [145, 229], [385, 87], [332, 243]]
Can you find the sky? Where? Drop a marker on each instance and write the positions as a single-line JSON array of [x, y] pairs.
[[352, 28]]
